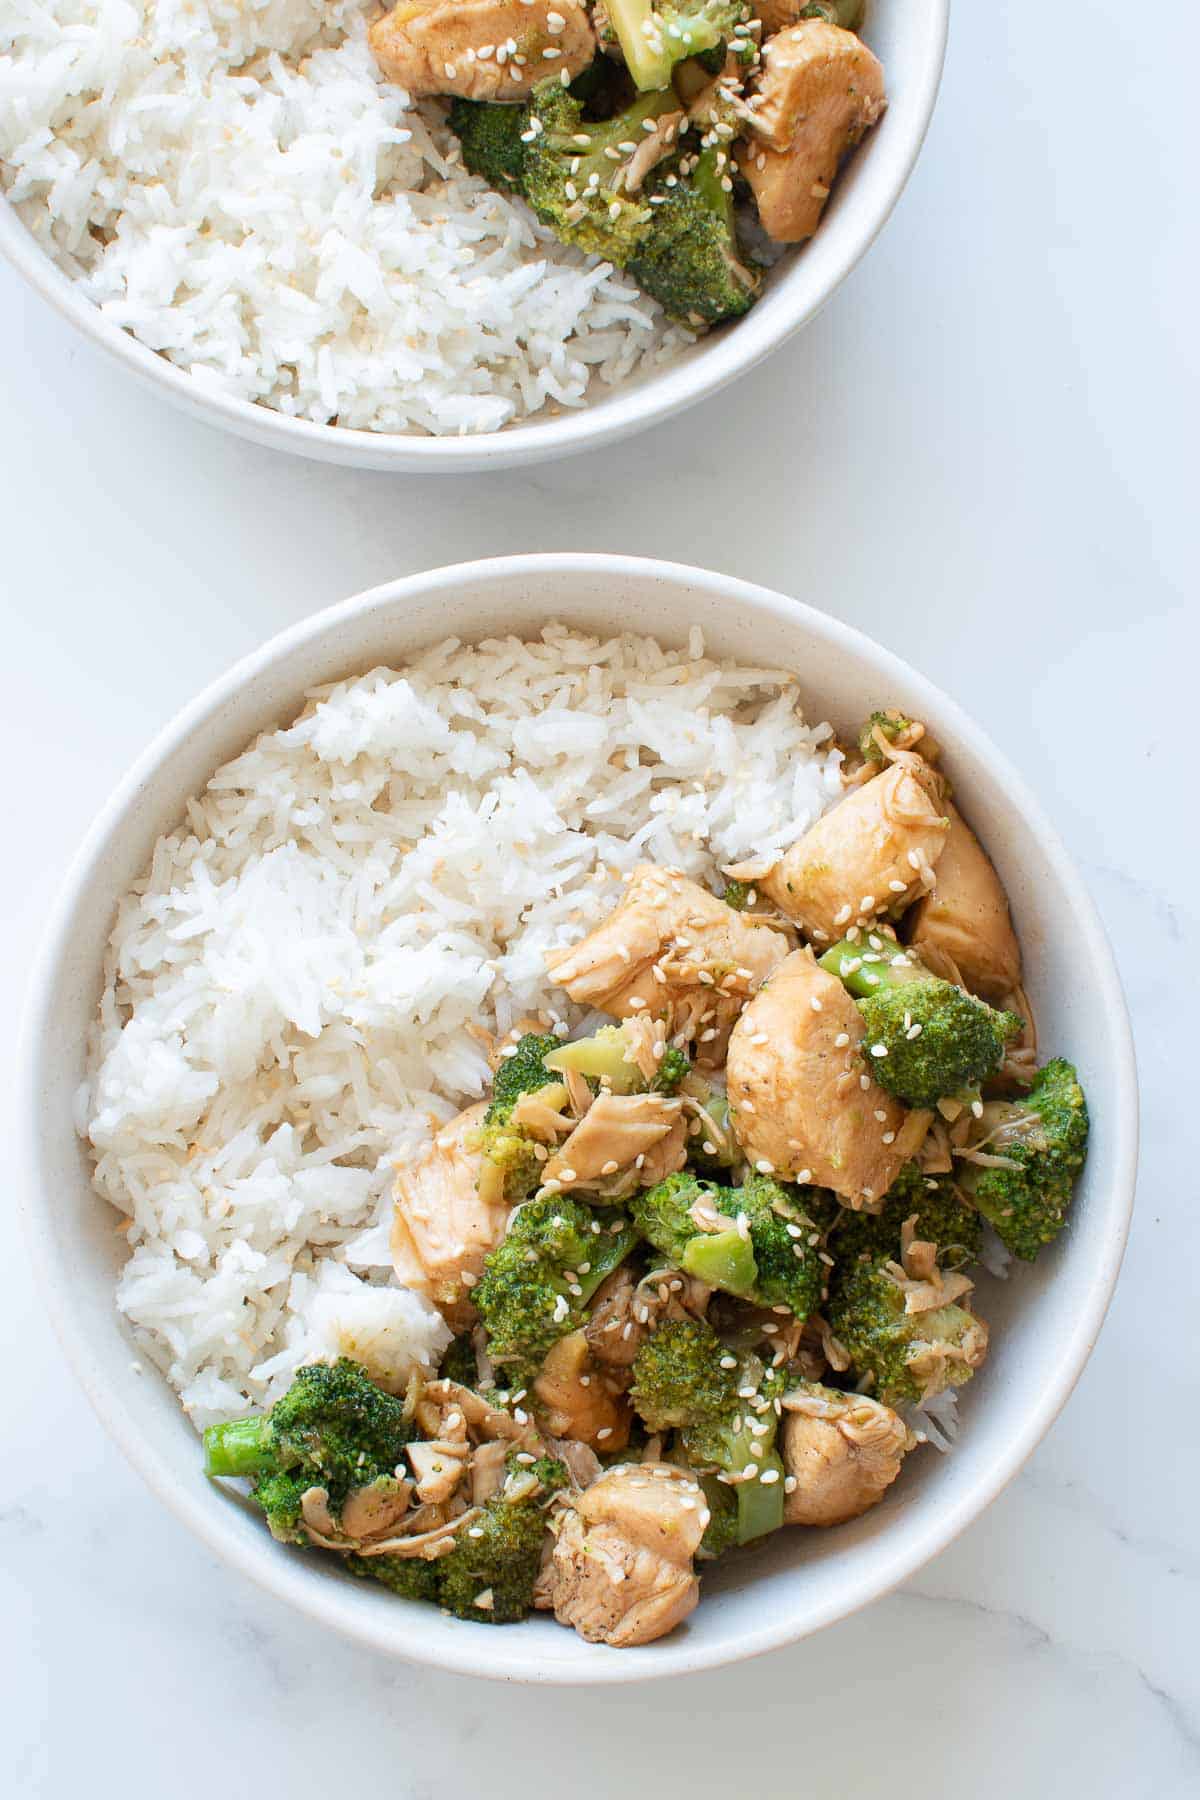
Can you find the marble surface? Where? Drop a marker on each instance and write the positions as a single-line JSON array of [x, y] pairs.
[[982, 454]]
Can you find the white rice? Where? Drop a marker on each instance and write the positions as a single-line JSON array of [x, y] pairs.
[[233, 182], [292, 987]]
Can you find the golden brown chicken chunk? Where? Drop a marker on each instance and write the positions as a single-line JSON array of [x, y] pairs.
[[621, 1571], [636, 1139], [441, 1227], [962, 927], [841, 1451], [871, 855], [481, 49], [820, 90], [803, 1099], [674, 951], [575, 1400]]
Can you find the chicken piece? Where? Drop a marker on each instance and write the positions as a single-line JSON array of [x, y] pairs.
[[820, 91], [871, 855], [962, 927], [626, 1311], [575, 1400], [437, 1470], [796, 1074], [843, 1451], [615, 1131], [481, 49], [622, 1563], [709, 959], [441, 1227]]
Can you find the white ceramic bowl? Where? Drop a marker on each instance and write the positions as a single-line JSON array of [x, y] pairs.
[[1044, 1321], [910, 38]]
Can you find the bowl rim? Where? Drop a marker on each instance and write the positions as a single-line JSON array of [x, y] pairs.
[[657, 397], [329, 1604]]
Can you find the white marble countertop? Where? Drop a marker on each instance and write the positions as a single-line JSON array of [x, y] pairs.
[[982, 454]]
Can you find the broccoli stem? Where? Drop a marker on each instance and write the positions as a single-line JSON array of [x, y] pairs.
[[639, 33], [723, 1259], [760, 1506], [864, 970], [239, 1447]]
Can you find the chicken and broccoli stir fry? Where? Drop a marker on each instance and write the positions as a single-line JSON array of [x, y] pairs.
[[707, 1264], [638, 130]]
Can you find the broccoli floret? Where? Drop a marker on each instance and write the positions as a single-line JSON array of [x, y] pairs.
[[942, 1219], [333, 1428], [926, 1039], [890, 725], [490, 1577], [572, 182], [606, 1057], [689, 258], [678, 238], [662, 1214], [536, 1284], [721, 1404], [678, 1378], [510, 1170], [1044, 1137], [492, 141], [671, 1071], [783, 1219], [737, 894], [759, 1258], [909, 1356], [654, 39], [522, 1072], [408, 1576], [459, 1363]]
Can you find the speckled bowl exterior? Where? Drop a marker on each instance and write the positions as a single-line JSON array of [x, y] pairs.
[[909, 36], [1044, 1323]]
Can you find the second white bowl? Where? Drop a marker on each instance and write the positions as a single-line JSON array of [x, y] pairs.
[[1044, 1321]]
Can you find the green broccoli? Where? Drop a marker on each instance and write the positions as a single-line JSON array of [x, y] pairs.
[[459, 1362], [721, 1532], [891, 724], [490, 1576], [677, 237], [767, 1255], [926, 1040], [653, 39], [722, 1405], [941, 1217], [662, 1214], [909, 1356], [689, 258], [1043, 1140], [573, 173], [606, 1057], [409, 1576], [713, 1149], [511, 1167], [536, 1284], [737, 894], [333, 1429], [492, 139]]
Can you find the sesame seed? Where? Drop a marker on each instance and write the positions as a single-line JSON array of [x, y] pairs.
[[878, 1049], [815, 1003], [768, 1476], [764, 1167], [729, 1362], [605, 1431], [889, 1137], [509, 1050], [898, 887]]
